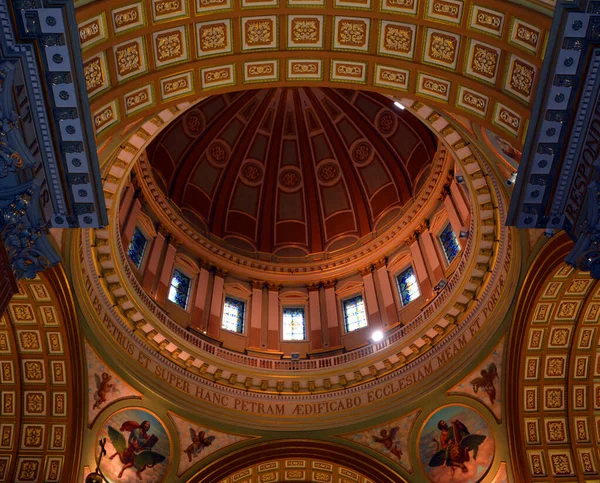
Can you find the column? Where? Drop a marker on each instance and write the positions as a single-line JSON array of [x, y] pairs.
[[200, 298], [154, 256], [389, 314], [314, 315], [430, 254], [166, 272], [419, 265], [216, 304], [333, 322], [462, 207], [374, 317], [126, 202], [453, 216], [256, 314], [273, 317], [132, 220]]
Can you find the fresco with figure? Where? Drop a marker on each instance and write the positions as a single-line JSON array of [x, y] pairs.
[[138, 447], [483, 383], [390, 439], [197, 441], [456, 445], [104, 386]]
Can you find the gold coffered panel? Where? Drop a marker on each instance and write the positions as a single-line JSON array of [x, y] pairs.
[[462, 55], [213, 38], [305, 31]]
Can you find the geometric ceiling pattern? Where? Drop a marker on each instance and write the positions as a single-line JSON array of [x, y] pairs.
[[292, 171], [40, 410], [559, 379], [479, 59]]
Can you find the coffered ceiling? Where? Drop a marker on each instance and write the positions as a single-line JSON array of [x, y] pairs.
[[473, 58]]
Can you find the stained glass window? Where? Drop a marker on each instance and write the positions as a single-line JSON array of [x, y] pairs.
[[233, 315], [137, 247], [180, 289], [355, 316], [294, 327], [449, 243], [408, 286]]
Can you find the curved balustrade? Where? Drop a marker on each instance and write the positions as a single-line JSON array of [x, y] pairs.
[[392, 337]]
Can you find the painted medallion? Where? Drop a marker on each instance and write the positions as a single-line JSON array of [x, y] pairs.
[[456, 445], [138, 447]]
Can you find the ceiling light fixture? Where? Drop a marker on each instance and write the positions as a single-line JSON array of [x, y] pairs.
[[399, 105], [377, 336]]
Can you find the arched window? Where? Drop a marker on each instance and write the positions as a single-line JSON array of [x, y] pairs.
[[408, 287], [294, 326], [179, 292], [234, 312], [449, 243], [355, 315], [137, 247]]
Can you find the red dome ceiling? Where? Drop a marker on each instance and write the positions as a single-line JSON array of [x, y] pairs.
[[292, 171]]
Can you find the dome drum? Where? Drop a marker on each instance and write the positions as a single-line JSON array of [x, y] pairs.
[[347, 292]]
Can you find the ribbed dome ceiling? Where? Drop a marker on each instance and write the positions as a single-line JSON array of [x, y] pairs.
[[292, 171]]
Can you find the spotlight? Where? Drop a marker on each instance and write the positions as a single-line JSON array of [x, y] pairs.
[[377, 336], [464, 234], [460, 179], [399, 105], [512, 180]]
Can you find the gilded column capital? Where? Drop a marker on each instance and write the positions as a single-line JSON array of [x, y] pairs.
[[445, 192], [382, 262], [219, 272], [162, 230], [329, 284], [274, 287], [410, 239], [257, 284], [135, 182], [312, 287], [364, 271]]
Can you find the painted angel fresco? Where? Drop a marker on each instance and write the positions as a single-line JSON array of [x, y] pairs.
[[103, 387], [389, 441], [454, 446], [199, 442], [486, 381], [137, 451]]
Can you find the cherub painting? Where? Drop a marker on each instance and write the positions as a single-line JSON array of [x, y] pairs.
[[138, 447], [389, 441], [103, 387], [199, 442], [456, 445], [486, 382]]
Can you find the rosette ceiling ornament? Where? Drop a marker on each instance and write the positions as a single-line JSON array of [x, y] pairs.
[[292, 172]]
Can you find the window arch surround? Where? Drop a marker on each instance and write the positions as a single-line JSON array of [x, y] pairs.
[[185, 266]]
